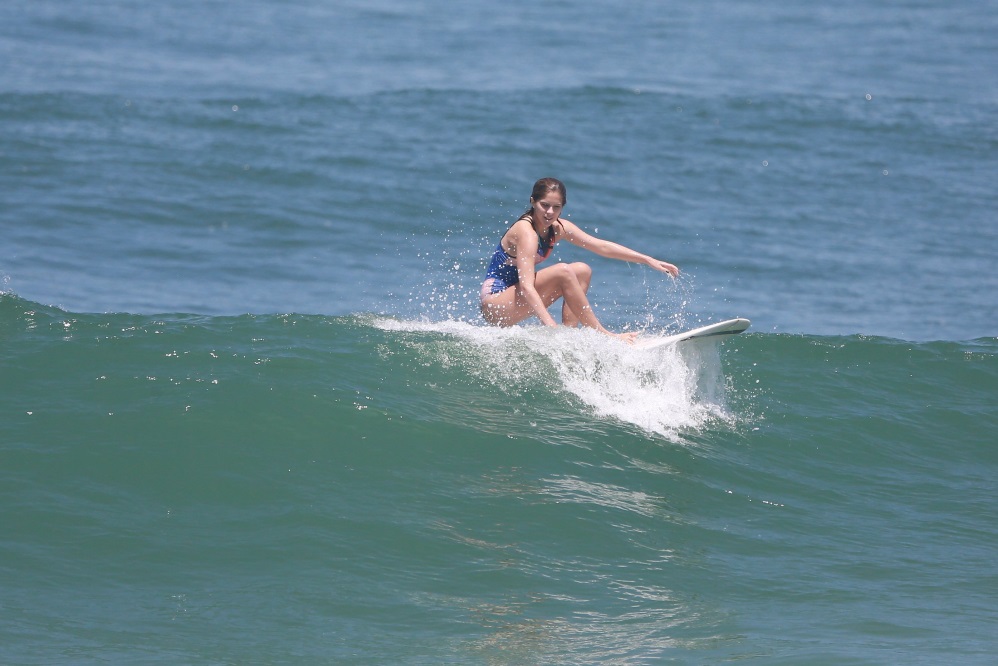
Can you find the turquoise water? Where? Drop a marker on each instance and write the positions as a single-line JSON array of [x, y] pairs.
[[248, 413], [278, 488]]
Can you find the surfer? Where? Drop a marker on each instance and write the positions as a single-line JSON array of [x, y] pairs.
[[513, 290]]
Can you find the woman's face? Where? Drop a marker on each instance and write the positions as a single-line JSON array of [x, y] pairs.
[[548, 208]]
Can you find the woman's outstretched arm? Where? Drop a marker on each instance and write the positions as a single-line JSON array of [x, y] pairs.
[[573, 234]]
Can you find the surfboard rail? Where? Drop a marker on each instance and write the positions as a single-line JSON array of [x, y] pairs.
[[727, 327]]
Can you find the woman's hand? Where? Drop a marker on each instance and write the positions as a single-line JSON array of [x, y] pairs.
[[663, 266]]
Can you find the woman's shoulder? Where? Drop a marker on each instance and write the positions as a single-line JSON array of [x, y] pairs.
[[522, 225], [564, 227], [520, 234]]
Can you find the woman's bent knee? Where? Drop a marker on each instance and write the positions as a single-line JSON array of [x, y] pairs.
[[563, 272], [582, 270]]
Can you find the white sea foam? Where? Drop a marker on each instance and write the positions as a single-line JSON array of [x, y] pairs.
[[664, 390]]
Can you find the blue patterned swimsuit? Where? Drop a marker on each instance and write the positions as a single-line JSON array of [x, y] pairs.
[[502, 269]]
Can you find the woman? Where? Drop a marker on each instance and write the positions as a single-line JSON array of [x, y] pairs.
[[513, 290]]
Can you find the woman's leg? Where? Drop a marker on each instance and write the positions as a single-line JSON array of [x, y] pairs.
[[584, 274], [568, 281]]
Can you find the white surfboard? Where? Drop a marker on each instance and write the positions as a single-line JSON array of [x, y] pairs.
[[729, 327]]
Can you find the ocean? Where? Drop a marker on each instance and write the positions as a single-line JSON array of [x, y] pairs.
[[249, 413]]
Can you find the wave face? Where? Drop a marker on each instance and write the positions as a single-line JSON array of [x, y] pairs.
[[289, 487]]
